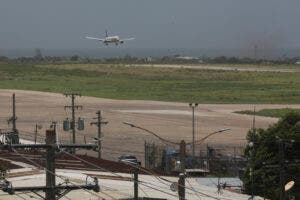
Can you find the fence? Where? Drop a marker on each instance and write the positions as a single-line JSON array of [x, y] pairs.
[[217, 159]]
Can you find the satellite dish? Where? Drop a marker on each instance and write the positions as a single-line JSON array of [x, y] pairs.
[[289, 185], [174, 186]]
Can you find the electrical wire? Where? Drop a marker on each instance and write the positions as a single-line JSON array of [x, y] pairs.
[[193, 189], [59, 176], [158, 177], [76, 157]]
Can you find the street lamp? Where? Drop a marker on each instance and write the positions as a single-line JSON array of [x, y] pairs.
[[213, 133], [193, 106], [171, 142], [151, 132]]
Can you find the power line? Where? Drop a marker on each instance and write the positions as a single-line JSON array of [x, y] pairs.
[[92, 164], [59, 176]]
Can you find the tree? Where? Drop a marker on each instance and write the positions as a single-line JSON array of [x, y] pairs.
[[264, 159], [75, 58]]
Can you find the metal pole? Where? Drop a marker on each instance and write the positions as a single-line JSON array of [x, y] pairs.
[[14, 114], [99, 134], [50, 165], [193, 146], [73, 119], [182, 156], [35, 133]]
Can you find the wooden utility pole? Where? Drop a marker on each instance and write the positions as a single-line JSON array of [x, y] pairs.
[[52, 191], [73, 107], [181, 181], [99, 124], [14, 136], [50, 165]]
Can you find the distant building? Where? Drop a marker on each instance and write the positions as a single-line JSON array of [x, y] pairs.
[[189, 58], [149, 59], [297, 63]]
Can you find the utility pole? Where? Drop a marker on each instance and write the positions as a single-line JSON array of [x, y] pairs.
[[14, 118], [50, 165], [35, 133], [181, 181], [14, 137], [193, 106], [136, 183], [73, 107], [52, 191], [99, 124]]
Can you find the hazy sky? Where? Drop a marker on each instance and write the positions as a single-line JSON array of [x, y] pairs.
[[214, 24]]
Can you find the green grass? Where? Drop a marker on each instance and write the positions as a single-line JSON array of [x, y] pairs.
[[279, 113], [150, 83]]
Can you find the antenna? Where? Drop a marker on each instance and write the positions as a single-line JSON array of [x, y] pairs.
[[106, 34]]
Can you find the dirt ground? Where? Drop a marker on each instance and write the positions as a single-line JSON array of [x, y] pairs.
[[172, 121]]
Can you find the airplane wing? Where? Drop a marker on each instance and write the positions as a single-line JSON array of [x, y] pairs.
[[93, 38], [126, 39]]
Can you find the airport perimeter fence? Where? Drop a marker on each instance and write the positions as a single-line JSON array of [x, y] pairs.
[[219, 160]]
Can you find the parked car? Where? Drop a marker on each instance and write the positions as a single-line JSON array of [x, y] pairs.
[[130, 159]]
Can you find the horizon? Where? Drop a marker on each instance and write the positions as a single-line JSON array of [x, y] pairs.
[[151, 52]]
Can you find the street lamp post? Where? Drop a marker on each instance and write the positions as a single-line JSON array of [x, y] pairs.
[[193, 106], [182, 144]]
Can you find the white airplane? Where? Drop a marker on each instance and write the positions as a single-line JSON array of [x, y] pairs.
[[110, 39]]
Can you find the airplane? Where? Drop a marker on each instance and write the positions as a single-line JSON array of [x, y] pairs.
[[110, 39]]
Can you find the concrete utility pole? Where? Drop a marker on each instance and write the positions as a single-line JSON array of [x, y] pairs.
[[73, 107], [181, 181], [193, 106], [99, 124]]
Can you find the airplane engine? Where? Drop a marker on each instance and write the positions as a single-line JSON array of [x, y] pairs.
[[121, 42]]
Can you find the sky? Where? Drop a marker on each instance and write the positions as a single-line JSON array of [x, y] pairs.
[[168, 24]]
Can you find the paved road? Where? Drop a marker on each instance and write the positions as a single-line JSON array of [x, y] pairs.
[[228, 68]]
